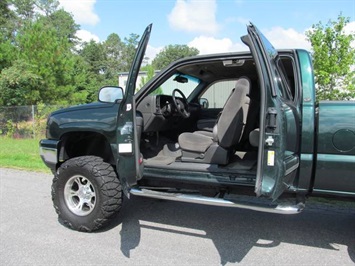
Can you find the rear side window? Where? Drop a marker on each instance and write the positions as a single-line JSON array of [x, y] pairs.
[[286, 72]]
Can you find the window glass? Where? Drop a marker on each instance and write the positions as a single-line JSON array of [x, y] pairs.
[[218, 93], [289, 70], [283, 81], [184, 83]]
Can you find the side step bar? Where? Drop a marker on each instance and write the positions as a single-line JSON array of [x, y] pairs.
[[280, 208]]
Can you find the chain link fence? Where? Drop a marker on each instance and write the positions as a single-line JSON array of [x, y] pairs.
[[25, 121]]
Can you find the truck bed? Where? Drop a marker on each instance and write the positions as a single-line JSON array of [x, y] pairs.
[[335, 165]]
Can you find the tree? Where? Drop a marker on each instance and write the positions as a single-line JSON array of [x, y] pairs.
[[7, 54], [94, 55], [113, 49], [38, 62], [64, 24], [171, 53], [49, 56], [24, 9], [47, 7], [44, 70], [100, 62], [19, 85], [129, 50], [7, 17], [150, 74], [333, 59]]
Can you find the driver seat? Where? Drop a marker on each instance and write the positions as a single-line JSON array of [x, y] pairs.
[[215, 147]]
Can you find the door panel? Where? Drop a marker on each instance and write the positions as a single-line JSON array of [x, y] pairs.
[[129, 161], [278, 159]]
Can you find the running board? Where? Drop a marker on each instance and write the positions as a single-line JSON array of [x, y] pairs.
[[280, 208]]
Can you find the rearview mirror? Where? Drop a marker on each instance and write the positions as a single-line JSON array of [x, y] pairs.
[[110, 94], [181, 79]]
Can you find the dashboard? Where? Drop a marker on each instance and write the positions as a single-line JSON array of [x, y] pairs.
[[165, 105], [159, 113]]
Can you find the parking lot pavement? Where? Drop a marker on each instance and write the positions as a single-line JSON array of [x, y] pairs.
[[156, 232]]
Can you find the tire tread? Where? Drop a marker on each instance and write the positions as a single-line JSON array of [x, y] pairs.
[[109, 187]]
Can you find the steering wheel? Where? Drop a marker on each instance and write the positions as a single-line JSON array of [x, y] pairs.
[[181, 105]]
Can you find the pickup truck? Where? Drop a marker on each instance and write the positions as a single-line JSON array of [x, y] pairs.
[[235, 129]]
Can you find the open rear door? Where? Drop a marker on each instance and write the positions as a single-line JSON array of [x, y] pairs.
[[278, 158], [129, 161]]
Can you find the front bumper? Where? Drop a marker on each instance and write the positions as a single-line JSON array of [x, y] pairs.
[[48, 150]]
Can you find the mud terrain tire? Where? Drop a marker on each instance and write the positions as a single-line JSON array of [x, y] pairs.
[[86, 193]]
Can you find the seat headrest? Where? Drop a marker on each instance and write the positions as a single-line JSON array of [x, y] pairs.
[[244, 82]]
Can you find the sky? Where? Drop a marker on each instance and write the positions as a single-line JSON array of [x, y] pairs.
[[211, 26]]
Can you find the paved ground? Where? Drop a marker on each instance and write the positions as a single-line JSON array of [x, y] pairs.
[[154, 232]]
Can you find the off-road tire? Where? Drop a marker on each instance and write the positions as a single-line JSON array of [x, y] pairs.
[[99, 186]]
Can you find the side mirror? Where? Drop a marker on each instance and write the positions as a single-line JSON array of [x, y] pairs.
[[110, 94], [203, 103]]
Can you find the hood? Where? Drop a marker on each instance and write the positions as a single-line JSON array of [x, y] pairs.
[[93, 117], [82, 107]]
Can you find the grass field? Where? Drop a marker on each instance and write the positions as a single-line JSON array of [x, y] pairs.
[[21, 154]]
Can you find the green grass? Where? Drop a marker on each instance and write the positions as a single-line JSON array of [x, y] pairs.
[[21, 154]]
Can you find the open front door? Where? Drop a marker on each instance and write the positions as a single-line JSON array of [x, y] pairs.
[[278, 158], [129, 161]]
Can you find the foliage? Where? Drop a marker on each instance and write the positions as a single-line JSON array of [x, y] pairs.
[[7, 53], [64, 26], [333, 59], [42, 60], [129, 51], [113, 49], [18, 84], [25, 121], [6, 20], [52, 60], [24, 10], [171, 53], [10, 128], [6, 30], [94, 56], [150, 74], [38, 63]]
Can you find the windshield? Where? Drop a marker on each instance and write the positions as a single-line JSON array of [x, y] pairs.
[[184, 83]]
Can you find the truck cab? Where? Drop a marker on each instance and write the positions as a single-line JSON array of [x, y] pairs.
[[249, 135]]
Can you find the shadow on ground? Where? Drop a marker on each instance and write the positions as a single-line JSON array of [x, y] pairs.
[[235, 232]]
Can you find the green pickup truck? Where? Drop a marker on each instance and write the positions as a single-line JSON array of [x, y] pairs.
[[235, 129]]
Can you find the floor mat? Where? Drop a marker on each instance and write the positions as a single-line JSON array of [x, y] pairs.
[[159, 160], [242, 165], [166, 156]]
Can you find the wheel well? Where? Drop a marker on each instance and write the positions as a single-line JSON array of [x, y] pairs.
[[86, 143]]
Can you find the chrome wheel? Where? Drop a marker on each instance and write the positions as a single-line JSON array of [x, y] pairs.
[[79, 195]]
